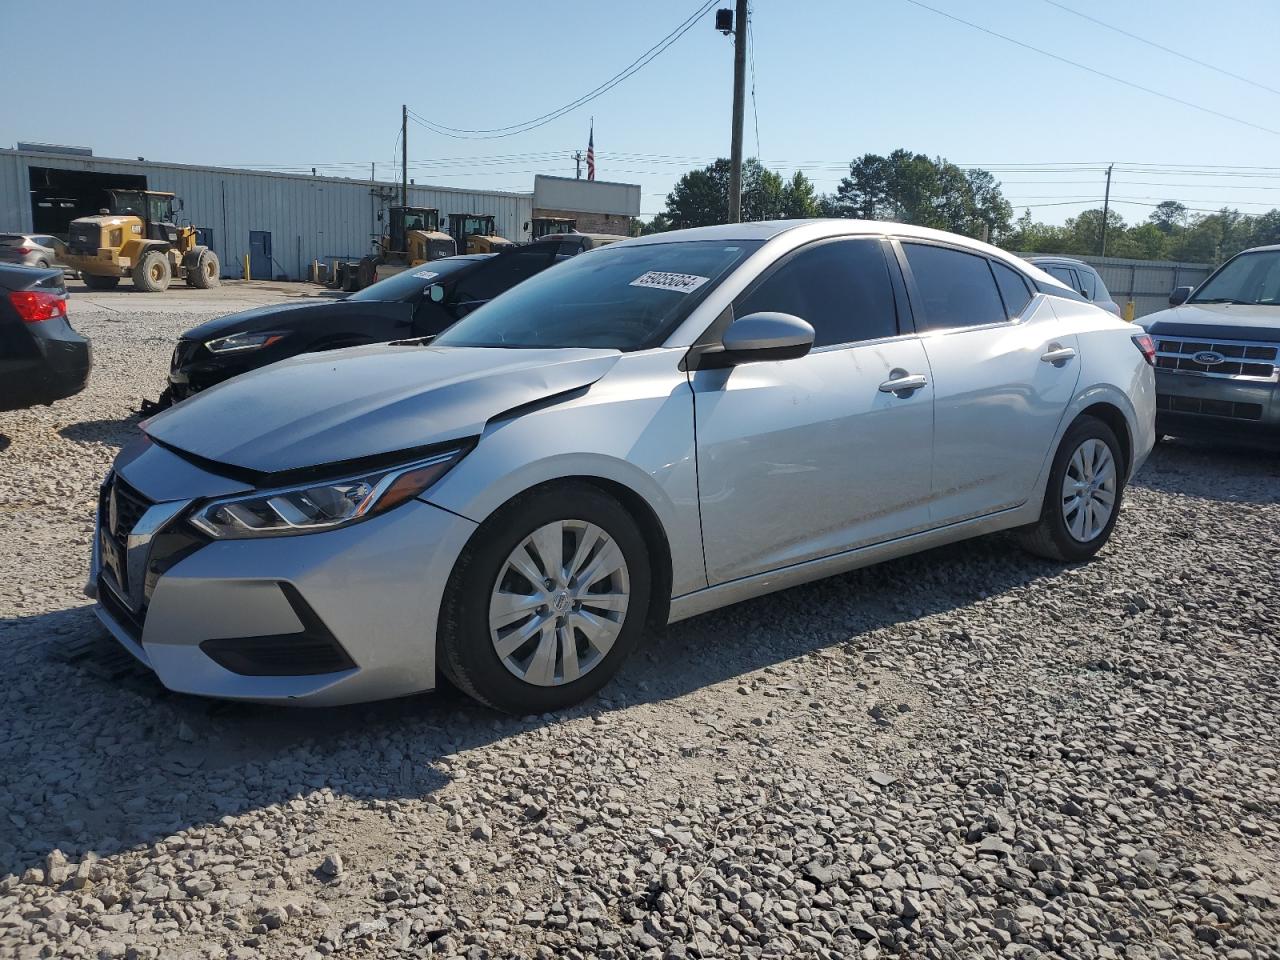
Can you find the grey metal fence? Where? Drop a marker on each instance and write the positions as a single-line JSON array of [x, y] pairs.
[[1147, 283]]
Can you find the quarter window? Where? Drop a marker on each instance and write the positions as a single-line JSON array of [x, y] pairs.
[[840, 287], [957, 289], [1012, 288]]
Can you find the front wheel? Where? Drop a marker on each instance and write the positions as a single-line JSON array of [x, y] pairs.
[[546, 601], [207, 271], [1082, 499], [152, 273]]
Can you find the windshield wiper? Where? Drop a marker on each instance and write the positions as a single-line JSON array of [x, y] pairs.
[[1243, 303]]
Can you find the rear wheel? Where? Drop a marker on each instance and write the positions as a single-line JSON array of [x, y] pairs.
[[1082, 500], [95, 282], [152, 273], [206, 272], [546, 601], [42, 264]]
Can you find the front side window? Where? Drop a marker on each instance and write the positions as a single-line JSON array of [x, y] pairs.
[[401, 287], [618, 297], [957, 289], [1013, 289], [1252, 278], [840, 287], [1088, 283]]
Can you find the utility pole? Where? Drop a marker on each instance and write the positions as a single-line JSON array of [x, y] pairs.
[[404, 155], [739, 104], [577, 164], [1106, 209]]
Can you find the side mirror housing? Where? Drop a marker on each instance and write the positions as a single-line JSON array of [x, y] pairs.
[[1179, 296], [757, 337], [436, 293]]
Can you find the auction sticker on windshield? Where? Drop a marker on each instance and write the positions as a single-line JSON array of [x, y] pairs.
[[425, 274], [679, 282]]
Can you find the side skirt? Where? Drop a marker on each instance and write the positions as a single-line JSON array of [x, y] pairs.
[[724, 594]]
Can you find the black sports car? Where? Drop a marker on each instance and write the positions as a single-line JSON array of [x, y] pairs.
[[42, 359], [420, 302]]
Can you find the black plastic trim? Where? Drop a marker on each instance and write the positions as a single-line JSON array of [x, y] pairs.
[[311, 652]]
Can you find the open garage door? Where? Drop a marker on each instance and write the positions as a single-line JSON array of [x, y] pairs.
[[59, 196]]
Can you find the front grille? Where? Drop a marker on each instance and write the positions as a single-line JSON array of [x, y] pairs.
[[1209, 408], [83, 238], [1233, 359], [130, 505]]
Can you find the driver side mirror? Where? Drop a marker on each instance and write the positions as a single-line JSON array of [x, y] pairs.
[[760, 336], [436, 293], [1179, 296]]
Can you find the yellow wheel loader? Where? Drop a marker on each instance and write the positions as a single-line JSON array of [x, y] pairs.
[[475, 233], [136, 237], [413, 237]]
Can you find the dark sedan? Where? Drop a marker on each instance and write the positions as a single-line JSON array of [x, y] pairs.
[[42, 359], [420, 302]]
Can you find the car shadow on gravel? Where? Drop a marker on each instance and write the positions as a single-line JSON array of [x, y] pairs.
[[113, 432], [105, 758], [1192, 468]]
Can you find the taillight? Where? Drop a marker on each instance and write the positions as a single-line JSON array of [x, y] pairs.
[[1144, 343], [23, 250], [36, 305]]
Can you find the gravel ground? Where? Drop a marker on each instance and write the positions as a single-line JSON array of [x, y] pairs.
[[969, 753]]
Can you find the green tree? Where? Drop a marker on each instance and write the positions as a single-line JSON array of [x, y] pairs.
[[701, 197], [913, 188], [798, 198], [1169, 217]]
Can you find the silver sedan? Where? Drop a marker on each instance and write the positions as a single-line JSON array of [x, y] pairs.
[[643, 433]]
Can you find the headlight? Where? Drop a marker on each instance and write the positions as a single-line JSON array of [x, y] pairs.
[[238, 342], [314, 507]]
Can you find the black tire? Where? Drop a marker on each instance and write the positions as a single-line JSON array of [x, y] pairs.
[[464, 648], [152, 273], [41, 264], [95, 282], [1049, 536], [207, 271]]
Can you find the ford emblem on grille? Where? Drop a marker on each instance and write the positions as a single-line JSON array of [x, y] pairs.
[[1210, 358]]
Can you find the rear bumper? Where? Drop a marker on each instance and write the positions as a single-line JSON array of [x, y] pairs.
[[60, 370]]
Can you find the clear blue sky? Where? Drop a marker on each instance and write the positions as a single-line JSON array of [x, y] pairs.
[[295, 85]]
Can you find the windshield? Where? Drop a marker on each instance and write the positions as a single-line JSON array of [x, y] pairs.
[[1251, 278], [418, 220], [619, 298], [410, 283]]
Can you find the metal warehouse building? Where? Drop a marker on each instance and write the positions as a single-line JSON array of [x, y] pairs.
[[282, 221]]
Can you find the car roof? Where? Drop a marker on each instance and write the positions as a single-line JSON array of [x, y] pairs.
[[1269, 248], [818, 227]]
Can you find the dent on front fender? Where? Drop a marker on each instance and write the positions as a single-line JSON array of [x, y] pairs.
[[633, 428]]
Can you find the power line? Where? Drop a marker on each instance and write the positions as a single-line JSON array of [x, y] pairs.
[[511, 130], [1160, 46], [1081, 66]]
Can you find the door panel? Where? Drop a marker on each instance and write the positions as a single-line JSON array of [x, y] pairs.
[[260, 254], [997, 406], [799, 459]]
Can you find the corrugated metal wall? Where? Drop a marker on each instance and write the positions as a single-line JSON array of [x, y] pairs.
[[1147, 283], [308, 217]]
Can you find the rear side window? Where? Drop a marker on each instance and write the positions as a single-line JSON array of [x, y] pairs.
[[841, 287], [1013, 289], [957, 289]]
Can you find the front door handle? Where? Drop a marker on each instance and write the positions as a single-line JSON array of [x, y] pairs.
[[903, 384], [1057, 354]]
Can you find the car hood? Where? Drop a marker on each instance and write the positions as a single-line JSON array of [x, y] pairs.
[[323, 408], [293, 315], [1226, 321]]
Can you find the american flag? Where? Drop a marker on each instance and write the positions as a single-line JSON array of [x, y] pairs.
[[591, 152]]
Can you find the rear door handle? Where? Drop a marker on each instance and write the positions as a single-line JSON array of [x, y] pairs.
[[903, 384], [1058, 354]]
